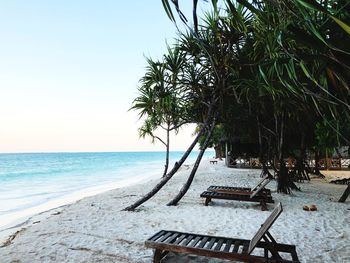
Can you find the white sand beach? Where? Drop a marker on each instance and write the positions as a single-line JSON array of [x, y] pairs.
[[95, 229], [336, 175]]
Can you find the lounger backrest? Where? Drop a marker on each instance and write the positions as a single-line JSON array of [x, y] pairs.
[[266, 177], [256, 191], [265, 227]]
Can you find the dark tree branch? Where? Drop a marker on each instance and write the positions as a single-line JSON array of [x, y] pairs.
[[187, 185]]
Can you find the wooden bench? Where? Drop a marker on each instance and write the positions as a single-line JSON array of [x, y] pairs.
[[265, 248], [259, 195]]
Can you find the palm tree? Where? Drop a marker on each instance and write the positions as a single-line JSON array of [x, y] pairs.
[[273, 62], [186, 109], [213, 51], [287, 46], [161, 101]]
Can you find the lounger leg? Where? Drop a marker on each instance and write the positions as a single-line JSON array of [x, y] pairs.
[[294, 255], [159, 255], [266, 253], [207, 201], [271, 246]]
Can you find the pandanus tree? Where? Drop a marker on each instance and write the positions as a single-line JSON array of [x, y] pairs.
[[273, 74], [295, 71], [197, 105], [297, 59], [219, 39], [272, 62], [322, 61], [160, 102], [203, 86]]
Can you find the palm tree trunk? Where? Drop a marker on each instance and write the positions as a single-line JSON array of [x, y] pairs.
[[317, 166], [166, 166], [165, 178], [317, 159], [176, 167], [261, 151], [283, 180], [187, 185], [265, 170]]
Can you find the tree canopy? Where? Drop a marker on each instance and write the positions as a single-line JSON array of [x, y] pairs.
[[269, 73], [281, 71]]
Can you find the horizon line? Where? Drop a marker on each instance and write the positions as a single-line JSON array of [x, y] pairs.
[[39, 152]]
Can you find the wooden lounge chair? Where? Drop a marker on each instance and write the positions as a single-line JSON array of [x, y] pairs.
[[259, 195], [345, 194], [232, 190], [265, 248]]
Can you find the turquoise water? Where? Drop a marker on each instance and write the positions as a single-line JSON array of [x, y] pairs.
[[30, 180]]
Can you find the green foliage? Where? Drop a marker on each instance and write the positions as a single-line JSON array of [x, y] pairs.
[[331, 134], [161, 98], [217, 138], [286, 63], [326, 138]]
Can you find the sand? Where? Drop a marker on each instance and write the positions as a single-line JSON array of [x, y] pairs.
[[333, 175], [95, 229]]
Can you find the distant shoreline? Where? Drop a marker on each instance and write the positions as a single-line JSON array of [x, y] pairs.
[[89, 152], [34, 183], [14, 219]]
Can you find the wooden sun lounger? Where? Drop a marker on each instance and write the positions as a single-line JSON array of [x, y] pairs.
[[345, 194], [235, 190], [230, 189], [225, 248], [259, 195]]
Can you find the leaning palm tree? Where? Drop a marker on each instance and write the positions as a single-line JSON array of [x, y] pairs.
[[213, 51], [183, 111]]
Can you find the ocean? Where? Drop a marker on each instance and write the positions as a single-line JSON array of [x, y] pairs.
[[31, 183]]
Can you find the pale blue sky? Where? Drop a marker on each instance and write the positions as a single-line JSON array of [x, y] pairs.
[[69, 72]]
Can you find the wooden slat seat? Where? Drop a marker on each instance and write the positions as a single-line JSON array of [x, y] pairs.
[[230, 189], [223, 247], [239, 197], [234, 190], [259, 195]]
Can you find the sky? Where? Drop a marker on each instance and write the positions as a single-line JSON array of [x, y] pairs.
[[69, 71]]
